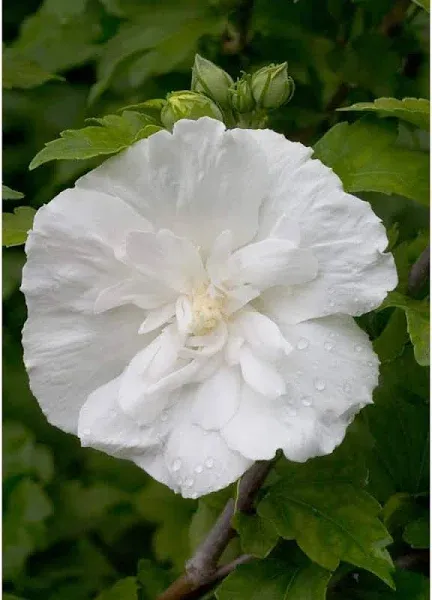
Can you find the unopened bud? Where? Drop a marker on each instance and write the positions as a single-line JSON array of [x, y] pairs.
[[188, 105], [242, 99], [272, 86], [211, 80]]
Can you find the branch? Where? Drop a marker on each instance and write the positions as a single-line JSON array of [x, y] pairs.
[[218, 575], [416, 559], [419, 273], [201, 570], [238, 36]]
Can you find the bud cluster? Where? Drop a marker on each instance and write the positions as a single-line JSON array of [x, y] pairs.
[[215, 94]]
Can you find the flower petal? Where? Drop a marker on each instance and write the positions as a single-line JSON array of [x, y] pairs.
[[71, 258], [262, 376], [165, 258], [272, 262], [342, 231], [332, 366], [68, 355], [157, 317], [104, 426], [330, 375], [148, 367], [217, 398], [257, 430], [198, 181], [261, 333], [200, 461]]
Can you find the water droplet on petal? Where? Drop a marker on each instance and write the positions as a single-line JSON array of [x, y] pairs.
[[198, 469], [370, 364], [302, 344], [356, 299], [164, 416], [306, 402], [209, 462], [331, 303], [320, 384], [328, 346], [347, 387], [358, 348], [189, 482], [176, 466], [330, 291]]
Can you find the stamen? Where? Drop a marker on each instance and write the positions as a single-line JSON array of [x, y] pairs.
[[207, 309]]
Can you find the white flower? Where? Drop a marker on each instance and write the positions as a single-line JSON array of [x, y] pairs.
[[190, 304]]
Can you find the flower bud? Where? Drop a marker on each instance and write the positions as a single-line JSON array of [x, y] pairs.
[[211, 80], [272, 86], [188, 105], [241, 97]]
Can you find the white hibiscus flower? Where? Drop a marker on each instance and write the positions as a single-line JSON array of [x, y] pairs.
[[190, 304]]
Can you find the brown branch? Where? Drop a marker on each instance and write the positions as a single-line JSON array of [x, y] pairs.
[[416, 559], [201, 570], [238, 34], [219, 575], [419, 273]]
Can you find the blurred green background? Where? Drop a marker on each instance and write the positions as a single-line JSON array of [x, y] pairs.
[[75, 520]]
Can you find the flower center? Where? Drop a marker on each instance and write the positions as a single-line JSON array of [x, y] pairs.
[[207, 305]]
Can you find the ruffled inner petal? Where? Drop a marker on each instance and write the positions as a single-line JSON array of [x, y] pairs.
[[272, 262]]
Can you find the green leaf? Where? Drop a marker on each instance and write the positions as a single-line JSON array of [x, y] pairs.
[[21, 72], [257, 536], [315, 511], [59, 43], [151, 108], [417, 533], [419, 330], [424, 4], [364, 156], [391, 342], [398, 422], [16, 225], [399, 509], [65, 10], [409, 586], [271, 579], [171, 514], [24, 530], [418, 320], [153, 578], [81, 507], [144, 34], [21, 456], [114, 133], [10, 194], [176, 50], [125, 589], [413, 110], [357, 65]]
